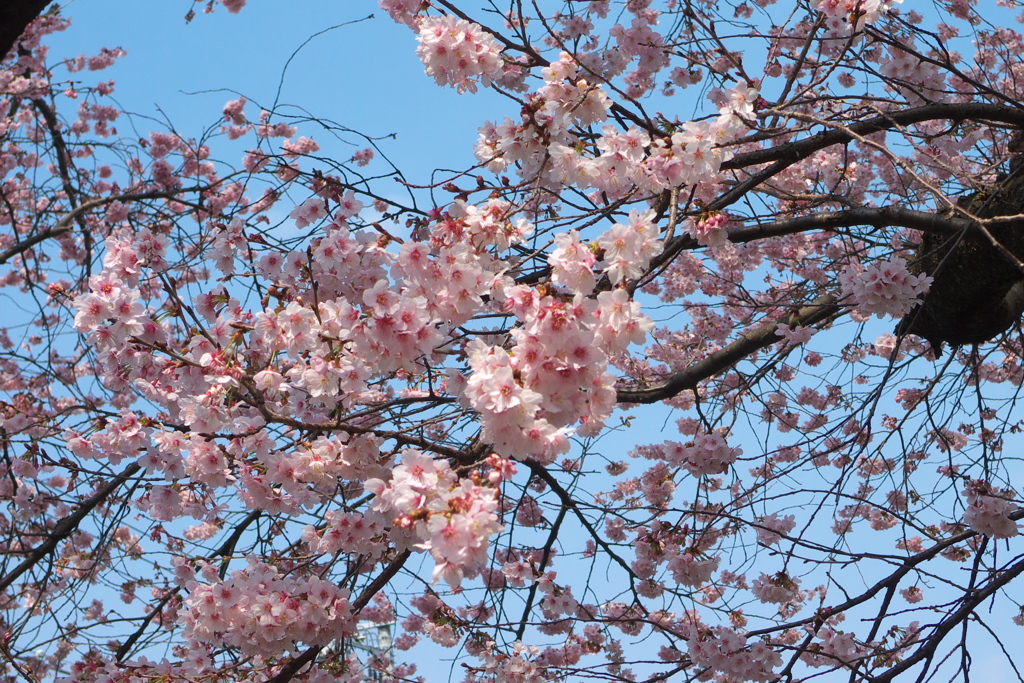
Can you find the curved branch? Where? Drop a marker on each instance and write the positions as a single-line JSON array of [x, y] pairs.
[[67, 525], [64, 224], [785, 155], [818, 311]]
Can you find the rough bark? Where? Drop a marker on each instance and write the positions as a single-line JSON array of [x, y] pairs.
[[978, 288], [15, 16]]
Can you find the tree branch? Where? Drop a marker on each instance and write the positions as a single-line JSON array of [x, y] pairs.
[[15, 16], [821, 309], [66, 526], [785, 155], [64, 224], [293, 667]]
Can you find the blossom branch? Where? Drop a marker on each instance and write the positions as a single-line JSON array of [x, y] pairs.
[[67, 525], [295, 665], [822, 309], [64, 224]]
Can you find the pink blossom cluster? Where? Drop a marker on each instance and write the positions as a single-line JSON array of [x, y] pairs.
[[555, 374], [710, 231], [458, 53], [543, 145], [708, 453], [989, 509], [518, 666], [694, 154], [403, 11], [451, 518], [645, 45], [546, 126], [727, 652], [884, 287], [484, 226], [628, 248], [833, 646], [779, 589], [263, 612], [917, 80], [572, 262], [850, 16], [774, 527], [692, 569]]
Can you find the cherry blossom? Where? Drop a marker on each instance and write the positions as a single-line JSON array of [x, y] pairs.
[[609, 399], [884, 288], [989, 509], [457, 52]]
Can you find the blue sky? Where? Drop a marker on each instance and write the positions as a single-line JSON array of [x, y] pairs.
[[365, 75]]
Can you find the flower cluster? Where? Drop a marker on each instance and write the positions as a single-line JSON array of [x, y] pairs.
[[457, 53], [779, 588], [884, 287], [263, 612], [708, 453], [483, 226], [711, 230], [629, 248], [554, 375], [727, 652], [989, 509], [572, 263], [771, 528], [832, 646], [849, 16], [453, 519]]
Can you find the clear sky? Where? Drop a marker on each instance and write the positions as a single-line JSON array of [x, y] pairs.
[[365, 75]]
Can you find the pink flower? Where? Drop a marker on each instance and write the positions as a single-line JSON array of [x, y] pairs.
[[779, 589], [363, 157], [234, 111], [912, 594], [710, 231], [866, 12], [458, 53], [706, 454], [775, 526], [311, 210], [884, 287], [795, 334], [572, 263], [988, 510]]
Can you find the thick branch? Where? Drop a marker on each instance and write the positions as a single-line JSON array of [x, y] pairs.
[[785, 155], [64, 224], [884, 217], [793, 152], [821, 309], [15, 16], [66, 526]]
